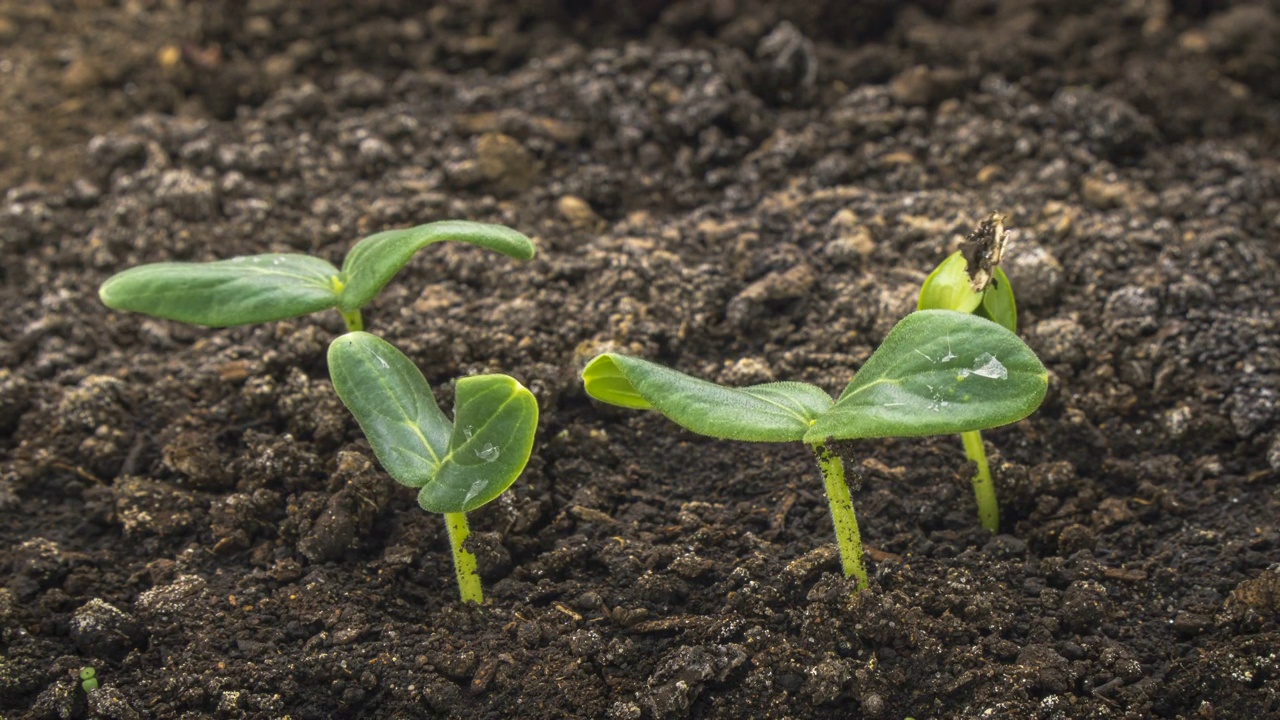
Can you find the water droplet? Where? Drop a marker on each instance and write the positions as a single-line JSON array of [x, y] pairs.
[[488, 453], [383, 362], [950, 355], [476, 487], [987, 366], [277, 261], [468, 431]]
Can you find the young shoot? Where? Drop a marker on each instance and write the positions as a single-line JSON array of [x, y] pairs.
[[88, 679], [263, 288], [456, 466], [937, 372], [970, 280]]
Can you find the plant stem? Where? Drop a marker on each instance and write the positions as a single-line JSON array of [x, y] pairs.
[[984, 489], [353, 320], [848, 539], [464, 563]]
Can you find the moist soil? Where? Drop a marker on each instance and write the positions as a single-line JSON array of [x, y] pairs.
[[744, 191]]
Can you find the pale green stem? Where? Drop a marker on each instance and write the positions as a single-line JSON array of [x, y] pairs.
[[848, 539], [984, 489], [464, 563], [353, 320]]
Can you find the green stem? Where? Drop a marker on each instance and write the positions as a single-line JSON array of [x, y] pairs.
[[848, 539], [984, 489], [464, 563], [353, 320]]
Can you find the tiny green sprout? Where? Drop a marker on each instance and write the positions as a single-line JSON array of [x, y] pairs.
[[457, 466], [88, 679], [263, 288], [937, 372], [970, 280]]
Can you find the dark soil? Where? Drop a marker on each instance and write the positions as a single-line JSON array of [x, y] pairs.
[[743, 190]]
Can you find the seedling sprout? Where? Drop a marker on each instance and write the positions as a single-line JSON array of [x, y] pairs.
[[970, 280], [456, 466], [937, 372], [88, 679], [263, 288]]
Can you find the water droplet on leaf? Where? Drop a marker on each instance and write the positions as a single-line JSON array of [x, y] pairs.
[[987, 366]]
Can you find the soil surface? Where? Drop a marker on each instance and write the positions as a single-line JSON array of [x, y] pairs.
[[746, 191]]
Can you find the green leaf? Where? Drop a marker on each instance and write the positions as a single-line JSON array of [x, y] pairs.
[[997, 302], [459, 465], [240, 291], [949, 287], [938, 372], [376, 259], [773, 412], [495, 419], [393, 404]]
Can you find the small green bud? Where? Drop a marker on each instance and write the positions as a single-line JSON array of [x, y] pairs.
[[88, 679]]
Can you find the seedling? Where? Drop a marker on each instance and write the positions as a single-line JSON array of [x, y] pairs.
[[937, 372], [88, 679], [970, 280], [457, 466], [263, 288]]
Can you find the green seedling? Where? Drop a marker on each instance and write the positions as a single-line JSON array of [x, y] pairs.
[[456, 466], [263, 288], [88, 679], [937, 372], [970, 280]]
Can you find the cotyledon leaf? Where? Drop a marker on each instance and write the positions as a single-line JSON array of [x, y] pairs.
[[239, 291], [376, 259], [998, 304], [937, 372], [393, 404], [494, 422], [948, 287], [773, 412]]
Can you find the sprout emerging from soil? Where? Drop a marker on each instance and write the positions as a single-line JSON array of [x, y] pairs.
[[457, 466], [970, 280], [937, 372], [262, 288], [88, 679]]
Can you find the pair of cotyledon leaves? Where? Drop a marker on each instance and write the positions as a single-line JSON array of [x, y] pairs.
[[457, 466], [937, 372], [263, 288], [949, 287]]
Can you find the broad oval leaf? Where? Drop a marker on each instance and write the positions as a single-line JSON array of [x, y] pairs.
[[773, 412], [494, 422], [376, 259], [997, 302], [393, 404], [949, 287], [938, 372], [239, 291]]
